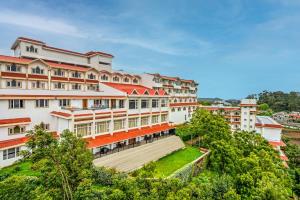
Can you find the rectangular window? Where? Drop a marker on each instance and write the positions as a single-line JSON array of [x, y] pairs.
[[13, 84], [82, 130], [16, 103], [64, 102], [119, 124], [59, 72], [145, 103], [93, 87], [38, 85], [13, 68], [101, 103], [42, 103], [45, 126], [163, 102], [113, 103], [11, 153], [76, 75], [102, 127], [121, 104], [132, 122], [133, 104], [76, 86], [144, 121], [59, 85], [164, 118], [154, 103], [154, 119]]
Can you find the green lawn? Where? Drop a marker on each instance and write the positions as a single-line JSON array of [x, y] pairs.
[[23, 168], [170, 163]]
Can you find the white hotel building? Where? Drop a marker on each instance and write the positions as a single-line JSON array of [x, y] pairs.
[[62, 89]]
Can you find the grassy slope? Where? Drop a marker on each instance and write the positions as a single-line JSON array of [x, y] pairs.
[[170, 163], [23, 168]]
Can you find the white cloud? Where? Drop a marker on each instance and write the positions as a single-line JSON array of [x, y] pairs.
[[40, 23]]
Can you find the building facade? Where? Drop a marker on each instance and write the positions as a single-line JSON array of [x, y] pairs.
[[61, 89], [182, 95]]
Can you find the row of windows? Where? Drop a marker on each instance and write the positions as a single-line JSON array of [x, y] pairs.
[[98, 103], [60, 72], [103, 127], [134, 103], [184, 109]]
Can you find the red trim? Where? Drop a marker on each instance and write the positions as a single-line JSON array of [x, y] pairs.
[[36, 76], [248, 105], [268, 125], [184, 104], [76, 80], [82, 115], [123, 135], [91, 81], [61, 114], [57, 78], [13, 74], [15, 121]]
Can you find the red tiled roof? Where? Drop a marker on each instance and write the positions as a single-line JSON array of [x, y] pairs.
[[24, 120], [277, 143], [18, 141], [61, 114], [119, 136], [13, 142], [284, 157], [130, 89]]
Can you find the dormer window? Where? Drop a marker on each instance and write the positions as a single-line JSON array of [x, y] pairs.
[[59, 72], [91, 76], [135, 81], [116, 79], [76, 75], [13, 68], [37, 70], [16, 130], [126, 80], [31, 49], [104, 77]]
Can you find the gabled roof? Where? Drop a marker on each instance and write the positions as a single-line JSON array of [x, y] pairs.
[[135, 89]]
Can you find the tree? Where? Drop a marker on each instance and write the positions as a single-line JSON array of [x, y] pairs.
[[64, 163]]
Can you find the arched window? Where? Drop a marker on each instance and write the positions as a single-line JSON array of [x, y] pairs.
[[116, 79], [135, 81], [126, 79], [104, 77], [31, 48], [37, 70], [91, 76]]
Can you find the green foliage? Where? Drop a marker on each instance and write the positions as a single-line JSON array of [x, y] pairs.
[[279, 101]]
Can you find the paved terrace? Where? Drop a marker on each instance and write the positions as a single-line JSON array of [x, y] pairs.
[[132, 159]]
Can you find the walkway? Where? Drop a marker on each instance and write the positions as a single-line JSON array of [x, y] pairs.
[[131, 159]]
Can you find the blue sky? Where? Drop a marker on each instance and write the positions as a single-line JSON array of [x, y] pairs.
[[232, 48]]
